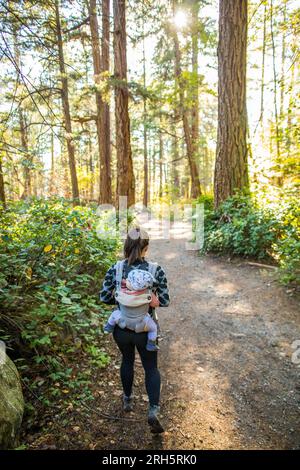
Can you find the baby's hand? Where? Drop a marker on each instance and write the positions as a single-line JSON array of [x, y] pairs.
[[128, 285], [154, 301]]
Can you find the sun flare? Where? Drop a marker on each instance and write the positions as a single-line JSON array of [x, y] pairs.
[[180, 19]]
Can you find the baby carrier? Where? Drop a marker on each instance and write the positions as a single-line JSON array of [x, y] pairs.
[[133, 307]]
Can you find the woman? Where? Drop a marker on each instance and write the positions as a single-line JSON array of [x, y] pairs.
[[135, 251]]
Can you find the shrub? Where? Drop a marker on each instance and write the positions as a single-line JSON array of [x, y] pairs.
[[245, 226], [51, 266]]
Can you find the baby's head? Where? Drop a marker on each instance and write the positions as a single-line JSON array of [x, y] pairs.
[[138, 279]]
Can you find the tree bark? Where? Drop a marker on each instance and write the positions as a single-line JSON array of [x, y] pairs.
[[106, 191], [195, 92], [100, 65], [154, 185], [52, 170], [262, 106], [231, 167], [125, 179], [283, 57], [161, 156], [22, 123], [275, 84], [195, 187], [290, 110], [91, 168], [2, 187], [24, 143], [175, 155], [146, 190], [66, 107]]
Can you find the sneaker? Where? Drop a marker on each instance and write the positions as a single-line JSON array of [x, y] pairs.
[[151, 346], [153, 421], [127, 403], [108, 328]]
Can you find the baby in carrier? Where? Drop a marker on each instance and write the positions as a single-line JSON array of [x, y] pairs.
[[134, 296]]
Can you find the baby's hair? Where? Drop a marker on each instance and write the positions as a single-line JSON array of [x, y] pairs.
[[137, 239]]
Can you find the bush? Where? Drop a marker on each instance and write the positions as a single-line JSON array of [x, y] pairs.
[[207, 200], [244, 226], [287, 246], [51, 266]]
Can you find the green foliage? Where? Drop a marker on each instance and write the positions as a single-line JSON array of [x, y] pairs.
[[52, 261], [244, 226], [287, 246], [207, 200]]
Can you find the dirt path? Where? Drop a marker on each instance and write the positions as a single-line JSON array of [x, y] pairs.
[[226, 358], [228, 381]]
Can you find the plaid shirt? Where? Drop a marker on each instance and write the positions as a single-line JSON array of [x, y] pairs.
[[160, 288]]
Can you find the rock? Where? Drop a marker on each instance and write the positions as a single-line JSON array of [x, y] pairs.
[[11, 403]]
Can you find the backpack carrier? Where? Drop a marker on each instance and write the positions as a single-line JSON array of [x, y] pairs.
[[133, 308]]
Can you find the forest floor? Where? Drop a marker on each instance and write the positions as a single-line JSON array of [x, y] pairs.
[[228, 379]]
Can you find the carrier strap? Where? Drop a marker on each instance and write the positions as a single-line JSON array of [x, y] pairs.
[[119, 272], [152, 268]]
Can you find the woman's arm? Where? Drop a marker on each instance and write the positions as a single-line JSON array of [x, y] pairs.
[[109, 285], [162, 290]]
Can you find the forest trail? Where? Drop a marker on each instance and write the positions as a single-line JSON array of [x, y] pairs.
[[228, 381], [226, 357], [228, 378]]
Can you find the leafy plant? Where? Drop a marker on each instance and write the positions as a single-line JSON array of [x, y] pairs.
[[52, 261], [253, 227]]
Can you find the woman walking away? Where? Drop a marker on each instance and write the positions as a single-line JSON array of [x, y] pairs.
[[130, 323]]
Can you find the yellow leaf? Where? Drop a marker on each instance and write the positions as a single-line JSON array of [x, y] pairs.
[[29, 273], [77, 251], [47, 248]]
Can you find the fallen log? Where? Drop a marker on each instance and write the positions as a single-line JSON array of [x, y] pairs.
[[261, 265]]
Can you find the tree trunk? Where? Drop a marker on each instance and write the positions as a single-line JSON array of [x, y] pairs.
[[125, 181], [146, 189], [161, 156], [22, 123], [262, 85], [275, 85], [52, 170], [283, 57], [91, 168], [154, 185], [24, 143], [195, 92], [106, 192], [231, 167], [66, 107], [145, 195], [97, 78], [175, 155], [101, 64], [2, 188], [290, 110], [195, 189]]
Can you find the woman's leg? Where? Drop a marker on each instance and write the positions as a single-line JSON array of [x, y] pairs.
[[124, 340], [149, 361]]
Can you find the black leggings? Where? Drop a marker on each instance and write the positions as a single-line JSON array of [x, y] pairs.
[[127, 340]]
